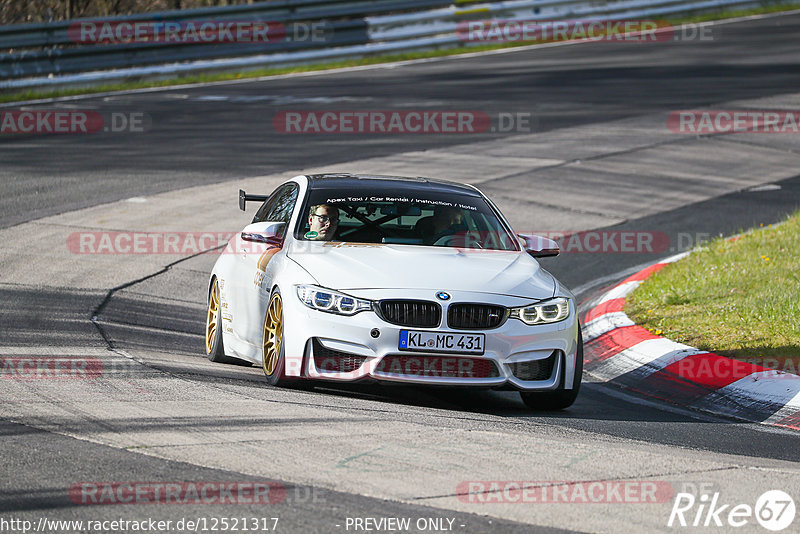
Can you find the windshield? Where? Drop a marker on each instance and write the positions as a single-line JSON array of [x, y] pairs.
[[409, 218]]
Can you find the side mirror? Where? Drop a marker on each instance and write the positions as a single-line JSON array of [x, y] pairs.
[[538, 246], [271, 233]]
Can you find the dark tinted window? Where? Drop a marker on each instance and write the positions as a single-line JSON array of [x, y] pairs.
[[278, 207], [410, 217]]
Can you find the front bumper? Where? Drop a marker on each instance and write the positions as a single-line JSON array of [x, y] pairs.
[[326, 346]]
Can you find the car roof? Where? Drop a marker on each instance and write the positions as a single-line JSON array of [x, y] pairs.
[[373, 181]]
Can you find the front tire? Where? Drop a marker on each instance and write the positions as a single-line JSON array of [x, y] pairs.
[[562, 398], [273, 359]]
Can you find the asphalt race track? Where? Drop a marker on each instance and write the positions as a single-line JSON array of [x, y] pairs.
[[599, 154]]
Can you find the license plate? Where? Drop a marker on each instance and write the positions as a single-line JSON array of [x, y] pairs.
[[442, 342]]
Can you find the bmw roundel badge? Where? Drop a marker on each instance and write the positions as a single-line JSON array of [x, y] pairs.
[[441, 295]]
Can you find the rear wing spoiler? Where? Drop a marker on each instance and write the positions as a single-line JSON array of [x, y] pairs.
[[244, 198]]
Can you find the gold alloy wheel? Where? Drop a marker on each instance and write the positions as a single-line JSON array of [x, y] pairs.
[[273, 332], [212, 320]]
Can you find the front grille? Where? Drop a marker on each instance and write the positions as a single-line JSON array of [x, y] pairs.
[[475, 316], [330, 360], [419, 313], [437, 366], [536, 369]]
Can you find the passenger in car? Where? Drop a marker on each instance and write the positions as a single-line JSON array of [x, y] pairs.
[[446, 220], [323, 220]]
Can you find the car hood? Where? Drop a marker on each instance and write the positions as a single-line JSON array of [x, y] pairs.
[[346, 266]]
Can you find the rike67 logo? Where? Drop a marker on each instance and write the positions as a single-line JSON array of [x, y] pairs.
[[774, 510]]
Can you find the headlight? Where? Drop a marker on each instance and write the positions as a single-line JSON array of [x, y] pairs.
[[548, 311], [326, 300]]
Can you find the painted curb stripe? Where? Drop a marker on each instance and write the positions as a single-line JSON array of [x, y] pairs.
[[792, 421], [711, 370], [628, 355], [640, 361], [675, 389], [605, 324], [788, 416], [608, 306], [621, 291], [612, 343], [755, 397], [644, 274]]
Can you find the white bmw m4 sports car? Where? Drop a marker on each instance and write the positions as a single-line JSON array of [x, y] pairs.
[[346, 277]]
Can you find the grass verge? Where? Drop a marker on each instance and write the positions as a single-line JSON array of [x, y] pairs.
[[36, 94], [736, 297]]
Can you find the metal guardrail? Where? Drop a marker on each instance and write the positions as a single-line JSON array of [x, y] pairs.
[[55, 33], [355, 28], [57, 53], [445, 21], [97, 57]]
